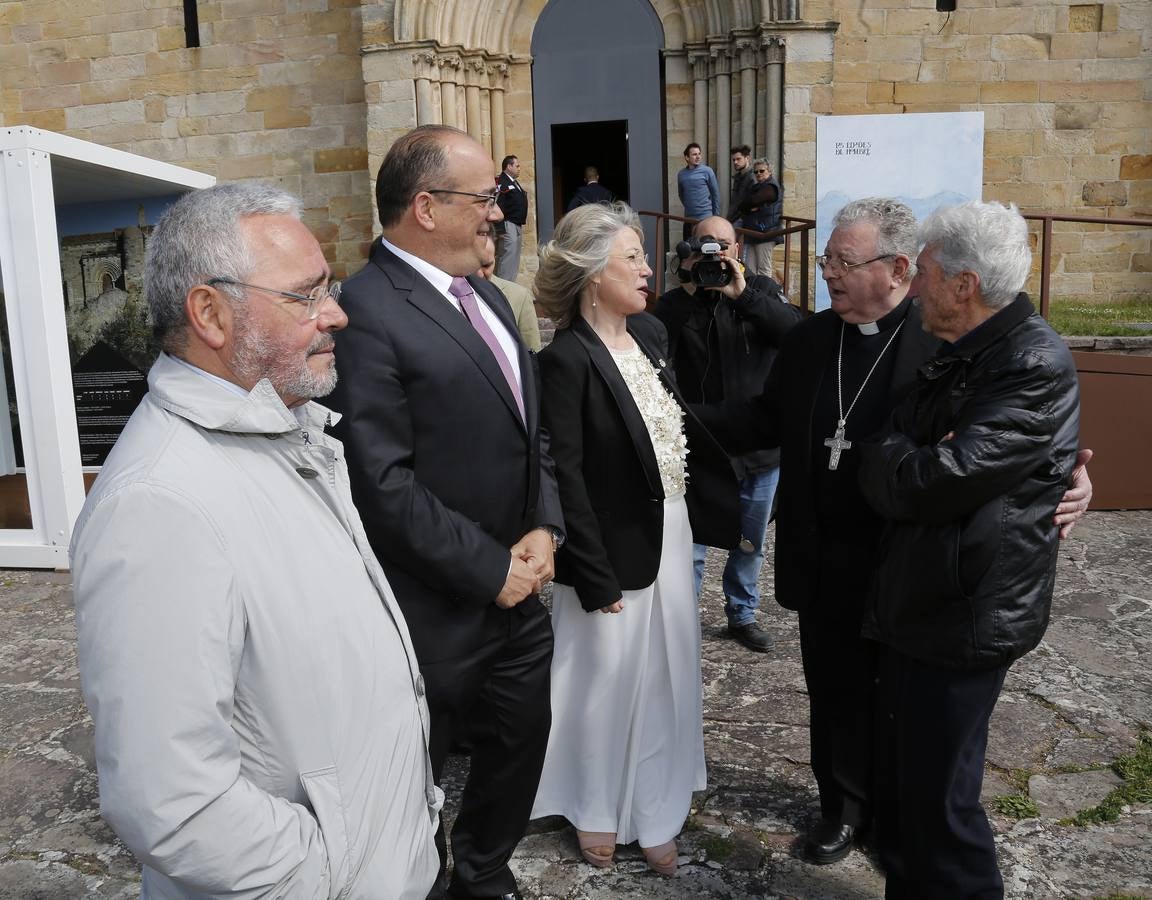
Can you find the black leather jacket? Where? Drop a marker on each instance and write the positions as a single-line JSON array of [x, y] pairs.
[[979, 455]]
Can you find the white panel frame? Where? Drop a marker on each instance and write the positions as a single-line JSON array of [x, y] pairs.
[[30, 265]]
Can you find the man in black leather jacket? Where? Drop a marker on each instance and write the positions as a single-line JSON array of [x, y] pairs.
[[721, 344], [969, 478]]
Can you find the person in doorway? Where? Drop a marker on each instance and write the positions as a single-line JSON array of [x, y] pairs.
[[591, 191]]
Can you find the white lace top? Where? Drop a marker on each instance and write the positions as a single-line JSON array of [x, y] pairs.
[[662, 416]]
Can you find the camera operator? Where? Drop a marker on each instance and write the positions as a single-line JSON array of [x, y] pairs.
[[724, 328]]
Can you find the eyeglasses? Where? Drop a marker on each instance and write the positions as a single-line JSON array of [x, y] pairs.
[[838, 266], [636, 260], [489, 197], [312, 301], [760, 171]]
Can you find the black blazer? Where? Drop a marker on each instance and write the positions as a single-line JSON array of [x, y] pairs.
[[609, 480], [445, 473]]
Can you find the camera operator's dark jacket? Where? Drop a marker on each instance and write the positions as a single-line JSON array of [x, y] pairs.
[[969, 552], [722, 350]]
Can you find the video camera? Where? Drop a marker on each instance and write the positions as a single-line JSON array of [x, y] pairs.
[[711, 270]]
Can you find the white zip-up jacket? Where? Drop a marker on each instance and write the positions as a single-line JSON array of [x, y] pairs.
[[261, 729]]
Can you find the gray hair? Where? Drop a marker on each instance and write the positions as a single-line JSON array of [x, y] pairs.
[[989, 239], [763, 161], [198, 238], [579, 250], [895, 226]]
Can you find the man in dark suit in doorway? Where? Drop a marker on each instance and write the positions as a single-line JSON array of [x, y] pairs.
[[514, 205], [454, 484]]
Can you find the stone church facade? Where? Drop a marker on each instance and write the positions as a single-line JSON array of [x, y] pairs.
[[311, 93]]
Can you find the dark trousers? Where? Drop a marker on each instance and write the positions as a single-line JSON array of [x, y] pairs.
[[839, 670], [932, 732], [497, 698]]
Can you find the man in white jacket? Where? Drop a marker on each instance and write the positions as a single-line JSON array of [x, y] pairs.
[[261, 729]]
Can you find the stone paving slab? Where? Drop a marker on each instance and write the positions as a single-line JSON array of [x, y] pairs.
[[1068, 710]]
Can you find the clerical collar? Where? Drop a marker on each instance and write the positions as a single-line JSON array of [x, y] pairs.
[[887, 322]]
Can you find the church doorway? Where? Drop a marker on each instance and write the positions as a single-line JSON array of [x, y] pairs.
[[603, 145], [597, 99]]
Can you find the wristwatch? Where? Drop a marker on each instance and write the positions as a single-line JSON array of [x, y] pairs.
[[557, 537]]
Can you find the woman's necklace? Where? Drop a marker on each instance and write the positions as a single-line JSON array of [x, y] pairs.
[[837, 443]]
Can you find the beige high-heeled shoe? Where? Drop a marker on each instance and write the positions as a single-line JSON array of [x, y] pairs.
[[662, 859], [597, 847]]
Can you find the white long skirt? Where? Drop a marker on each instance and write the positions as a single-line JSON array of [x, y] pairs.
[[626, 749]]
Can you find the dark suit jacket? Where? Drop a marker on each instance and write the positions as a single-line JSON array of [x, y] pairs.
[[444, 472], [609, 480], [513, 201]]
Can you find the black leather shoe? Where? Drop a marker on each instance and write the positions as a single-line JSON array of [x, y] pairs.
[[511, 895], [829, 842], [751, 636]]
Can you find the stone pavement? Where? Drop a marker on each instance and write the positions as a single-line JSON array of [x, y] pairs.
[[1068, 710]]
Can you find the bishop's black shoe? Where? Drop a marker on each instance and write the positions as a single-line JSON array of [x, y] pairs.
[[829, 842]]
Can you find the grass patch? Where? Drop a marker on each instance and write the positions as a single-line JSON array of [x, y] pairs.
[[1076, 317], [1016, 806], [1136, 770], [717, 848]]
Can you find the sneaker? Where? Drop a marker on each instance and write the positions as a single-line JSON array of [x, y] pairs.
[[751, 636]]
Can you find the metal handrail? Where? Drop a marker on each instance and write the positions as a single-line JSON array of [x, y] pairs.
[[1046, 220], [791, 225]]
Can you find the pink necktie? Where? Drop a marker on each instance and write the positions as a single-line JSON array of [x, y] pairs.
[[463, 292]]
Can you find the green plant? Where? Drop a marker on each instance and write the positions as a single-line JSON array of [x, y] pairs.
[[1136, 770], [1016, 806]]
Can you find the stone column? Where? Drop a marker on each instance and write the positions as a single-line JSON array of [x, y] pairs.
[[449, 113], [747, 54], [499, 139], [423, 64], [721, 61], [699, 63], [773, 46], [473, 74]]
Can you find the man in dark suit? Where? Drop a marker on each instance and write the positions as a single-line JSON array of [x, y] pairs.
[[591, 191], [514, 205], [452, 478]]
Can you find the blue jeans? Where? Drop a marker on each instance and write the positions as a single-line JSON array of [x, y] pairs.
[[742, 571]]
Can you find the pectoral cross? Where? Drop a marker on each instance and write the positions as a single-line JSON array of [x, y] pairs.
[[837, 445]]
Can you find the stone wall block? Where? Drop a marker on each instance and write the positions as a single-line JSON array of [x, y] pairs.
[[1134, 166], [215, 103], [143, 41], [65, 28], [126, 112], [897, 49], [1043, 70], [1010, 92], [342, 159], [118, 67], [1020, 46], [974, 70], [894, 71], [58, 97], [1007, 143], [1076, 115], [1093, 168], [1004, 21], [234, 123], [72, 71], [1046, 168], [1096, 262], [1074, 46], [916, 94], [1121, 45], [1100, 91], [1126, 115], [287, 118]]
